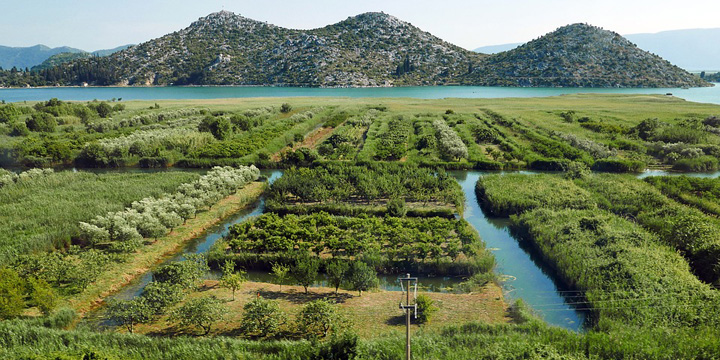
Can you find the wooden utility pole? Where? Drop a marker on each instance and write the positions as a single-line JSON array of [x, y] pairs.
[[407, 307]]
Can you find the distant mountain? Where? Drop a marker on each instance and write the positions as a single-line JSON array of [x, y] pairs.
[[494, 49], [691, 49], [65, 57], [27, 57], [109, 52], [371, 49], [581, 55]]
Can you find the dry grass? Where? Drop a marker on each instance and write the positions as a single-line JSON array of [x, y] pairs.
[[371, 315]]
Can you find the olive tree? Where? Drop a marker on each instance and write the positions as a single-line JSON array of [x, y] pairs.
[[201, 312], [129, 313], [262, 318]]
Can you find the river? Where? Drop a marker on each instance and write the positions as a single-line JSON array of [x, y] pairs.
[[703, 95]]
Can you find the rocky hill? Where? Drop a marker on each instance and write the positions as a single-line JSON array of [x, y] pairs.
[[372, 49], [581, 55]]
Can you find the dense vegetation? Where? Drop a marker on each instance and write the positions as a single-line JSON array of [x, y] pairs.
[[388, 188], [688, 230], [702, 193], [40, 210], [360, 197], [628, 270], [391, 245], [531, 338], [650, 131]]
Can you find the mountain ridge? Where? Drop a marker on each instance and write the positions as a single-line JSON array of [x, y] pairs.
[[369, 49], [690, 49], [582, 55]]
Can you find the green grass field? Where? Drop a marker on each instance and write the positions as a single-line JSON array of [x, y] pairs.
[[42, 214]]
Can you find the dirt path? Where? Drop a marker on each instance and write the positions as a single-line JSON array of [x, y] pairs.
[[311, 140]]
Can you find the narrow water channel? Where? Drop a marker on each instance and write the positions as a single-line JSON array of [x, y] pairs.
[[524, 275]]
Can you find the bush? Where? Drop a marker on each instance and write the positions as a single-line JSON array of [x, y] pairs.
[[202, 313], [700, 164], [425, 309], [618, 165], [41, 122], [396, 207], [262, 318], [317, 319], [285, 108]]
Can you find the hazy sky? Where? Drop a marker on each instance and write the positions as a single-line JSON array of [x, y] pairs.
[[101, 24]]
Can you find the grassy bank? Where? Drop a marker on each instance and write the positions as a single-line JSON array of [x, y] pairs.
[[42, 213]]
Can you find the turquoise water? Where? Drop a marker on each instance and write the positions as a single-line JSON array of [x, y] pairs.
[[706, 95], [524, 274]]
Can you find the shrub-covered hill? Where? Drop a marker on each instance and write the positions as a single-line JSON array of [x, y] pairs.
[[371, 49], [581, 55]]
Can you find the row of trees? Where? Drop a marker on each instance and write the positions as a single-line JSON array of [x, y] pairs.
[[392, 144], [154, 217], [372, 183], [451, 146], [138, 120], [430, 238], [252, 140]]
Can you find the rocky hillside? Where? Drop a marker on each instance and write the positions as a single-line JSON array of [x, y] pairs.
[[372, 49], [581, 55]]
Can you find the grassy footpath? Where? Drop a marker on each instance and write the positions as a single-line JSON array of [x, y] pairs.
[[118, 275], [371, 315]]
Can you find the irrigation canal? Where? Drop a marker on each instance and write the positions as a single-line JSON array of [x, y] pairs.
[[523, 273]]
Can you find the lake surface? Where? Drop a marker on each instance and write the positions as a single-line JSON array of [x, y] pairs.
[[704, 95]]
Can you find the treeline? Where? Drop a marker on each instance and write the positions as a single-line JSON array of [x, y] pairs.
[[385, 184], [100, 71], [548, 150], [390, 245]]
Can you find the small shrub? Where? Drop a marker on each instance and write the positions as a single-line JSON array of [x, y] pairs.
[[425, 309]]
